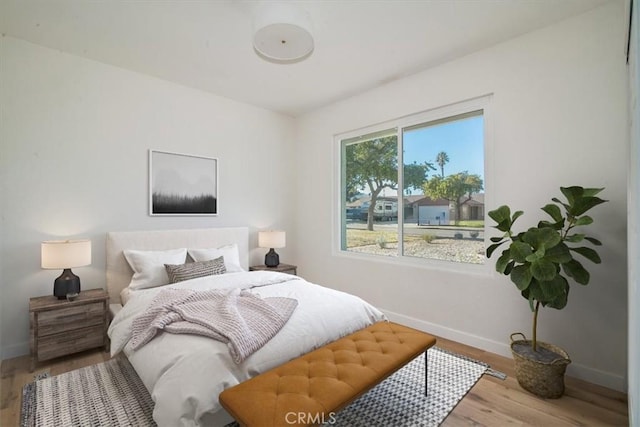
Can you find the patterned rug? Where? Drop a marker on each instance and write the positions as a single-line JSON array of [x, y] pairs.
[[111, 394], [106, 394], [400, 401]]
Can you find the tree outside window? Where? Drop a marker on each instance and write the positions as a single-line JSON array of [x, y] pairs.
[[432, 207]]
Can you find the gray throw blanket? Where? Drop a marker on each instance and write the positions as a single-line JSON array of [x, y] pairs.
[[242, 320]]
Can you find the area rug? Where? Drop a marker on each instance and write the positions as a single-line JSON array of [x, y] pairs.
[[111, 394], [106, 394], [400, 401]]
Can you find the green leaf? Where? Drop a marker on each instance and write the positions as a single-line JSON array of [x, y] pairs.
[[538, 237], [560, 301], [553, 211], [501, 263], [584, 220], [493, 247], [500, 215], [516, 215], [535, 292], [520, 251], [555, 225], [592, 191], [543, 270], [575, 238], [583, 204], [551, 289], [539, 254], [572, 193], [576, 271], [496, 239], [594, 241], [588, 253], [507, 271], [521, 276], [566, 206], [504, 225], [558, 254], [533, 257]]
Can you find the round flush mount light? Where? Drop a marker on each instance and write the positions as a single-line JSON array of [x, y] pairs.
[[282, 33]]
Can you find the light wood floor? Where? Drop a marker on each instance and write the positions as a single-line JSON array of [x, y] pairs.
[[491, 402]]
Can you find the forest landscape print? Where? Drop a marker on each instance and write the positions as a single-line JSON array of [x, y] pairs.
[[181, 184]]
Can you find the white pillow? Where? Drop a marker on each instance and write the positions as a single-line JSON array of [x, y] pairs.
[[229, 253], [148, 266]]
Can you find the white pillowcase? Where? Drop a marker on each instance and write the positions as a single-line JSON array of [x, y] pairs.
[[229, 253], [148, 266]]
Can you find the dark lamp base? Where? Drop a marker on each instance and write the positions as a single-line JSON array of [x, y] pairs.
[[66, 283], [271, 259]]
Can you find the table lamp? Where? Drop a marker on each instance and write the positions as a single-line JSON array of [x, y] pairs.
[[271, 240], [65, 255]]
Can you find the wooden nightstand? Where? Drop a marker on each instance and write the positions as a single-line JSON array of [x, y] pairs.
[[61, 327], [281, 268]]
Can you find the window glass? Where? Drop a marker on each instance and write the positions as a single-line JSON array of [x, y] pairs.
[[370, 177], [444, 214], [430, 208]]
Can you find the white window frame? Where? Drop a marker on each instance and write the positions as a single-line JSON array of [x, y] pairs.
[[338, 216]]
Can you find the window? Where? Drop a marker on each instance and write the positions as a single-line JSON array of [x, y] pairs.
[[432, 207]]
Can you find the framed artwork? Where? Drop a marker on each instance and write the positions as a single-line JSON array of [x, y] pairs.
[[182, 184]]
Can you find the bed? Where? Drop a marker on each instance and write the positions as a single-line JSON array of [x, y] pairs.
[[185, 373]]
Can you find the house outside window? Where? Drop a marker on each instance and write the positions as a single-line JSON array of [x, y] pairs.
[[414, 188]]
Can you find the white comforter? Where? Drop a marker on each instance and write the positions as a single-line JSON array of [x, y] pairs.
[[186, 373]]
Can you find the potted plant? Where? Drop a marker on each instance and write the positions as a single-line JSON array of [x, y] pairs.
[[540, 262]]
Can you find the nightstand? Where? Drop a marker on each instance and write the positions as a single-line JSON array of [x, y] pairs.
[[281, 268], [61, 327]]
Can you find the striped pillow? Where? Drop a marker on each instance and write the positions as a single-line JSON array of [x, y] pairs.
[[191, 270]]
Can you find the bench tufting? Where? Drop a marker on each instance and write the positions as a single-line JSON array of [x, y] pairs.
[[311, 388]]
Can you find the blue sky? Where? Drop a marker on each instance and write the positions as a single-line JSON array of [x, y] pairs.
[[462, 140]]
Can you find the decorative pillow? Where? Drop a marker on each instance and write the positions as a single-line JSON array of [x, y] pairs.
[[148, 266], [191, 270], [229, 253]]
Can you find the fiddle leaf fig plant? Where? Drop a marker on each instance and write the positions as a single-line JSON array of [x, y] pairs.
[[540, 261]]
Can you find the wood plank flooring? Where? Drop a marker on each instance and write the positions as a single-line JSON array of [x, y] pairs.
[[491, 402]]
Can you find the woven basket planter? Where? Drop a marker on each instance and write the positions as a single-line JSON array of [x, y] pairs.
[[542, 378]]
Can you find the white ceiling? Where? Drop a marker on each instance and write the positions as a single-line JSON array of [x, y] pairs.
[[359, 44]]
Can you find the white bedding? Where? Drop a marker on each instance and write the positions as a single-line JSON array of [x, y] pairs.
[[186, 373]]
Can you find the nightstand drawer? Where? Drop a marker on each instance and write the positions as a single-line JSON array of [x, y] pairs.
[[70, 318], [59, 327], [70, 342]]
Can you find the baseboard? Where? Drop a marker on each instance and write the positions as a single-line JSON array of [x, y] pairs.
[[451, 334], [586, 373], [596, 376]]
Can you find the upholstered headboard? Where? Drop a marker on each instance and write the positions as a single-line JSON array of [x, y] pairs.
[[119, 273]]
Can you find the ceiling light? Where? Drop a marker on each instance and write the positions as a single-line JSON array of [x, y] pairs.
[[282, 33]]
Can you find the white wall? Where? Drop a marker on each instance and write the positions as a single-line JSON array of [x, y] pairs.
[[559, 117], [557, 92], [634, 224], [75, 136]]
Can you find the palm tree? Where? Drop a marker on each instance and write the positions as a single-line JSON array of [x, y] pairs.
[[442, 159]]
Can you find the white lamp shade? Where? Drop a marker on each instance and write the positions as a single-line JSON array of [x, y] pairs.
[[282, 32], [272, 239], [58, 254]]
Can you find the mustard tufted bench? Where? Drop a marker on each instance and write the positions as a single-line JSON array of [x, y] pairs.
[[308, 390]]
